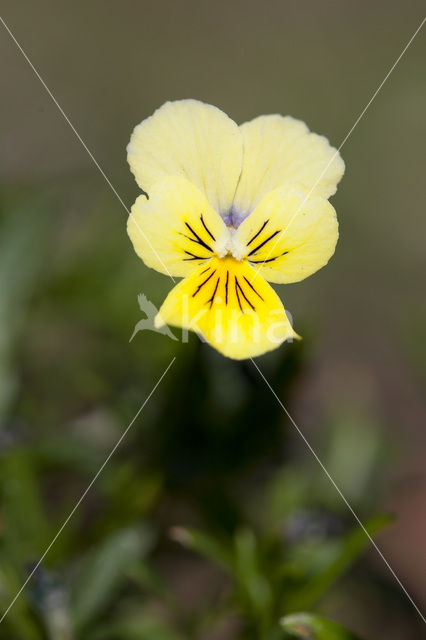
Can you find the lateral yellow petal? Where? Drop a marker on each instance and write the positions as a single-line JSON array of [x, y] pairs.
[[280, 150], [195, 140], [176, 230], [289, 235], [231, 307]]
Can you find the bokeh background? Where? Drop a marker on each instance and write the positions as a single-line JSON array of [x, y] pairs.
[[212, 449]]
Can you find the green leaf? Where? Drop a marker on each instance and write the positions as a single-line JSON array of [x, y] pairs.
[[289, 489], [306, 626], [249, 574], [104, 571], [354, 453], [206, 545], [142, 625], [23, 234], [241, 560], [343, 555], [25, 531], [19, 620]]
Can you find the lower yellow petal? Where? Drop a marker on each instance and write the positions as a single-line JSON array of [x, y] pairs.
[[290, 235], [176, 230], [231, 307]]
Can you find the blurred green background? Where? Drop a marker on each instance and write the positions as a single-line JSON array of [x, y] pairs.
[[212, 520]]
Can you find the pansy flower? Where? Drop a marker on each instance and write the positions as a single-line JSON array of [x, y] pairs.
[[230, 208]]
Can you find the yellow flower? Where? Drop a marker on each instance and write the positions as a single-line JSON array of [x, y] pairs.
[[229, 208]]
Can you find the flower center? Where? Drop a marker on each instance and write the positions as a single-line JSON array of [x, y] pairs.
[[230, 246], [234, 218]]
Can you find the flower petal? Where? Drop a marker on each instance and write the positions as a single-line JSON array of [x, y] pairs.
[[176, 230], [280, 150], [193, 140], [289, 235], [231, 307]]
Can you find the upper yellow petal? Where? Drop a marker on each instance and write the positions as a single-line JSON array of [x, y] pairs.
[[176, 230], [231, 307], [280, 150], [193, 140], [289, 235]]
